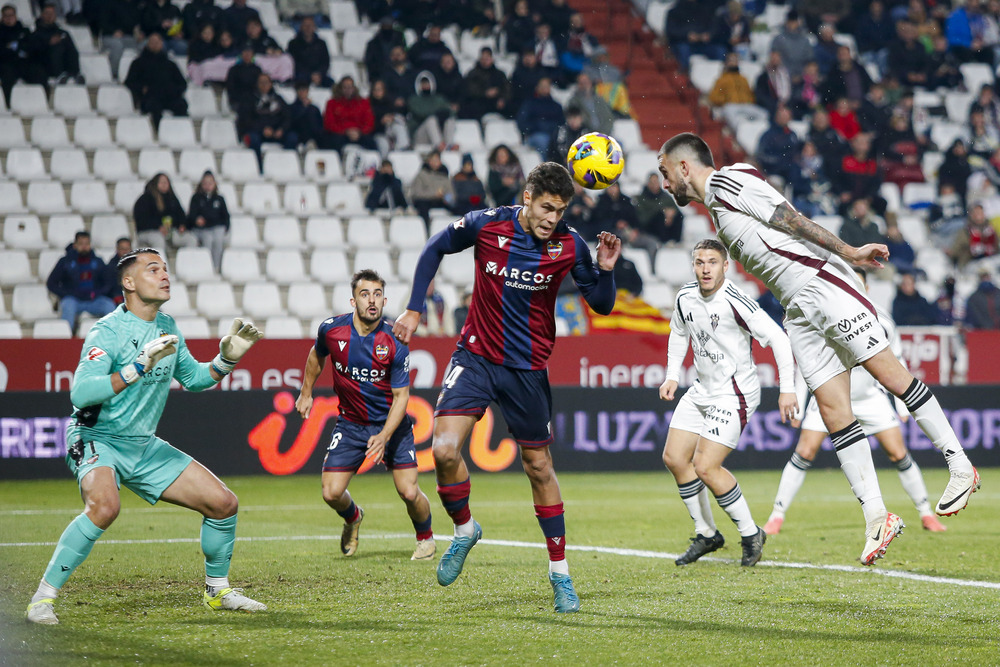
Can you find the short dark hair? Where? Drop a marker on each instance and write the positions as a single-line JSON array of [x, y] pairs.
[[690, 142], [550, 178], [711, 244], [82, 234], [370, 275], [10, 7], [124, 238], [128, 259]]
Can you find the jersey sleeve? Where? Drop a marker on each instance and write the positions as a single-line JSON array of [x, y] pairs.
[[677, 321], [756, 198], [92, 380], [456, 237], [192, 374], [596, 285], [320, 345], [400, 375]]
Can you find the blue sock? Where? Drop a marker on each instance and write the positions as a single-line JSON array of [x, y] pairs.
[[73, 548], [217, 539]]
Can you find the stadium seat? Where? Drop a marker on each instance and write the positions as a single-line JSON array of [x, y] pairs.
[[284, 265], [105, 230], [324, 232], [10, 198], [354, 41], [673, 265], [282, 166], [307, 300], [407, 231], [975, 76], [215, 300], [92, 132], [112, 164], [405, 164], [154, 161], [23, 232], [329, 266], [51, 328], [240, 265], [15, 267], [261, 198], [438, 223], [375, 259], [881, 292], [627, 132], [704, 73], [95, 68], [128, 57], [240, 165], [831, 223], [407, 263], [659, 295], [642, 262], [30, 302], [261, 299], [62, 229], [323, 166], [282, 231], [944, 133], [115, 101], [468, 135], [10, 329], [228, 192], [893, 197], [47, 260], [194, 265], [919, 195], [89, 197], [48, 132], [201, 102], [180, 302], [957, 105], [193, 327], [242, 233], [913, 229], [529, 158], [25, 164], [29, 100], [459, 269], [638, 165], [71, 101], [134, 133], [283, 327], [344, 199], [177, 133], [366, 232], [46, 197], [748, 135], [341, 67], [342, 298], [11, 133], [500, 132], [126, 194], [219, 134], [68, 164], [194, 162], [332, 45]]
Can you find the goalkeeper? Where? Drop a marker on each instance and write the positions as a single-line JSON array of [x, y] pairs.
[[121, 384]]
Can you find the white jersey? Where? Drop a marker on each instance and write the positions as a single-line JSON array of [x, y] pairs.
[[719, 329], [741, 203]]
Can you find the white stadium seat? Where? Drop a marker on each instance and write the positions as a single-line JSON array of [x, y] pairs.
[[25, 164], [95, 68], [47, 260], [407, 263], [459, 269], [377, 260], [497, 132], [68, 164], [240, 265], [282, 166], [323, 166], [10, 329], [261, 198], [307, 300], [329, 266], [468, 135], [194, 265], [31, 302], [342, 298], [627, 132], [240, 164], [242, 232], [105, 230], [219, 134], [48, 132], [10, 198], [673, 265], [354, 41], [23, 232], [114, 101], [284, 266], [11, 133], [15, 268], [302, 199], [405, 164], [282, 231], [47, 197], [344, 199], [215, 299], [62, 229], [193, 327], [366, 232], [201, 102], [283, 327], [154, 161], [28, 100], [112, 164], [407, 231], [92, 132], [177, 133], [194, 162], [51, 328], [134, 133], [180, 302], [126, 194], [89, 197], [261, 299], [71, 101], [324, 232]]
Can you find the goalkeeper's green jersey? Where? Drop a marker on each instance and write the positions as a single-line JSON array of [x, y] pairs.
[[112, 344]]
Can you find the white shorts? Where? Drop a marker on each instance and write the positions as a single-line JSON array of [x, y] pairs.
[[832, 326], [719, 418], [875, 413]]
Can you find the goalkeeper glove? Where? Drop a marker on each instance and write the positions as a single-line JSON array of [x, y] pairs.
[[241, 337], [152, 353]]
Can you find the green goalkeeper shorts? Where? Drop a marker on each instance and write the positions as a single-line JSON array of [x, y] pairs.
[[146, 467]]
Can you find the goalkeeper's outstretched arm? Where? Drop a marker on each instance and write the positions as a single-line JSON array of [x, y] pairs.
[[92, 385]]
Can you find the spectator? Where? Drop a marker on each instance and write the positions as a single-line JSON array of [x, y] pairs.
[[731, 30], [732, 94], [14, 63], [118, 26], [506, 179], [859, 176], [579, 209], [265, 116], [449, 81], [792, 45], [873, 32], [944, 66], [519, 28], [296, 11], [947, 304], [825, 50], [348, 118], [204, 47], [908, 60], [430, 117], [909, 308], [156, 82], [386, 190], [774, 84], [311, 55], [627, 276], [486, 88], [159, 216], [236, 16], [983, 141], [305, 119], [51, 49], [123, 246], [199, 13], [616, 213], [258, 39], [470, 194], [208, 218], [982, 310], [846, 79], [965, 31], [241, 80], [807, 94], [564, 136], [540, 117], [977, 240], [689, 31], [546, 51], [955, 170], [987, 102], [875, 110], [817, 12], [844, 120], [230, 49], [431, 188], [524, 79], [557, 14], [427, 52], [418, 14], [829, 144], [380, 46], [811, 189], [399, 78], [597, 113], [575, 51], [461, 312], [163, 18], [778, 147], [601, 70], [862, 226], [900, 152], [946, 216], [79, 280], [657, 213], [390, 126], [901, 255]]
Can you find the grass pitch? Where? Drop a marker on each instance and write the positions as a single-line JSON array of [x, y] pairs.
[[137, 599]]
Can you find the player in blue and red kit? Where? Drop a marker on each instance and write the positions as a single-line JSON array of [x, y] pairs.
[[371, 375], [522, 255]]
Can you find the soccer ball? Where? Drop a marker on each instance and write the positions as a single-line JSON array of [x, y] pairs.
[[595, 160]]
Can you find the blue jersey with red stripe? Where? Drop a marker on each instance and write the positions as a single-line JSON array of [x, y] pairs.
[[365, 368], [512, 317]]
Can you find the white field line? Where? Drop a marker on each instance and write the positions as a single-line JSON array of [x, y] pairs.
[[635, 553]]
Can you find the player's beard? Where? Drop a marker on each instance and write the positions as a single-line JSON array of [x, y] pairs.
[[363, 316], [680, 193]]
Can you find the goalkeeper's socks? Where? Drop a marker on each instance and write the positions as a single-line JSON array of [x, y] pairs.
[[215, 584], [217, 539], [45, 591], [72, 549]]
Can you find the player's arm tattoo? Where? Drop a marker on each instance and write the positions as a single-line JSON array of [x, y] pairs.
[[790, 221]]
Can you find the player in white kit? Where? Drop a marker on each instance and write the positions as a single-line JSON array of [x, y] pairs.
[[877, 414], [718, 319], [831, 323]]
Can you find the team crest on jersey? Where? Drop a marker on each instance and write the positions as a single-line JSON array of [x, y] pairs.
[[715, 321], [459, 224], [382, 352], [554, 248], [95, 353]]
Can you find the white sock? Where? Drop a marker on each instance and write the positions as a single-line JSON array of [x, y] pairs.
[[855, 455], [706, 512], [45, 591], [929, 416], [215, 584], [691, 493], [466, 529], [738, 510], [792, 478], [913, 483], [559, 567]]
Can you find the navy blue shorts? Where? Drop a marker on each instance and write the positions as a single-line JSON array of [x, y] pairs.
[[349, 443], [471, 383]]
